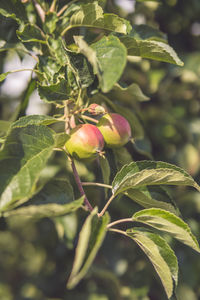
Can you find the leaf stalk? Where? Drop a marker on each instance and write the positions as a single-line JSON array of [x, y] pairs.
[[119, 221], [97, 184], [106, 206], [118, 231]]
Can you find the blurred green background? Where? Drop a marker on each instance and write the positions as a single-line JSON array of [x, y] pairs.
[[36, 255]]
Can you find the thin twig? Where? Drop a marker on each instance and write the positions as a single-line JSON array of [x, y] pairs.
[[72, 122], [40, 10], [80, 187], [22, 70], [66, 117], [53, 6], [62, 10], [119, 221], [89, 119], [65, 7], [106, 206], [97, 184]]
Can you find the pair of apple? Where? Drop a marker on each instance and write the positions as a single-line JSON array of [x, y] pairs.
[[86, 141]]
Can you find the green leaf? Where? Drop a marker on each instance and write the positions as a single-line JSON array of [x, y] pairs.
[[50, 22], [4, 126], [167, 222], [67, 229], [91, 15], [57, 49], [90, 239], [54, 92], [143, 173], [31, 33], [13, 9], [22, 158], [25, 98], [60, 139], [152, 49], [142, 147], [77, 63], [111, 57], [33, 38], [129, 94], [145, 32], [160, 254], [34, 120], [149, 197], [121, 157], [49, 68], [102, 3], [81, 69], [4, 75], [87, 51], [105, 170], [56, 198]]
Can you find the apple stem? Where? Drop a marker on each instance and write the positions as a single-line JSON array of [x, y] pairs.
[[80, 187]]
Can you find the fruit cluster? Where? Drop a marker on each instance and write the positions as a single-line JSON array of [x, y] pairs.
[[86, 141]]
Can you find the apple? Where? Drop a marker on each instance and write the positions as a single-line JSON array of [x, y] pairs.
[[85, 142], [115, 130]]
